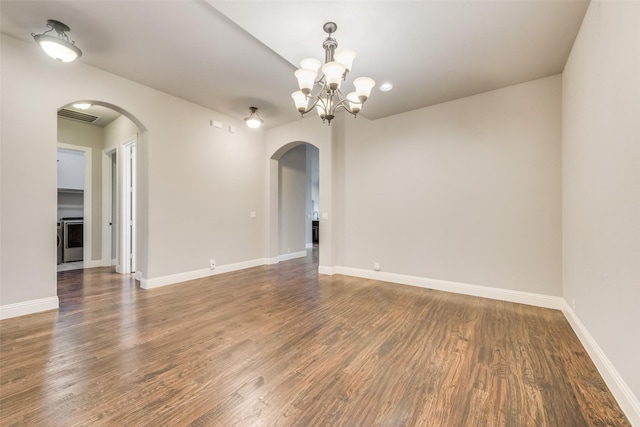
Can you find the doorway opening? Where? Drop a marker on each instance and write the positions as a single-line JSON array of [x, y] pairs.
[[108, 137], [298, 203], [74, 197]]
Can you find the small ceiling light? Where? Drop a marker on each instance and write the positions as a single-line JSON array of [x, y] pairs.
[[82, 105], [386, 87], [60, 47], [254, 120], [321, 91]]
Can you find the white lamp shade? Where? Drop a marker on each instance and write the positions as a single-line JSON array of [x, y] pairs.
[[300, 100], [57, 48], [310, 64], [253, 122], [333, 72], [363, 87], [306, 79], [82, 105], [345, 57], [354, 102]]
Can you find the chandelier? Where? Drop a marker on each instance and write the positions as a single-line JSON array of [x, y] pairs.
[[324, 94]]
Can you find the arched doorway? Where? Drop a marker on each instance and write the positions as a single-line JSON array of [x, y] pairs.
[[105, 134], [294, 200]]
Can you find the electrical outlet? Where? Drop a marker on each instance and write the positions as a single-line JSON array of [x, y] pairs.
[[376, 266], [212, 264]]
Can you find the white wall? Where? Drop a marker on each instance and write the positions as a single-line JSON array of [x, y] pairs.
[[467, 191], [601, 185], [199, 183], [203, 184], [118, 131], [293, 200]]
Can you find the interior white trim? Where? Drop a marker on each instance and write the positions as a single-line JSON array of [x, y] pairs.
[[94, 263], [520, 297], [171, 279], [292, 255], [325, 269], [107, 190], [271, 261], [28, 307], [628, 402]]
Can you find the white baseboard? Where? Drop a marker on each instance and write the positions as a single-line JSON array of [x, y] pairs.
[[292, 255], [309, 245], [157, 282], [325, 269], [28, 307], [628, 402], [94, 263], [205, 272], [528, 298]]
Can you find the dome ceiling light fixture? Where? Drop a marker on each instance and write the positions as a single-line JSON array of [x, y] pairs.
[[59, 48], [254, 120], [82, 105], [328, 97]]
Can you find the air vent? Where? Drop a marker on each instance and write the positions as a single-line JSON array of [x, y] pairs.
[[78, 116]]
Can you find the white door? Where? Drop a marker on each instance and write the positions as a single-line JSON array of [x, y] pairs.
[[128, 237]]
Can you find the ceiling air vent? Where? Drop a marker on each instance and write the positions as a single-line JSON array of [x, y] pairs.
[[78, 116]]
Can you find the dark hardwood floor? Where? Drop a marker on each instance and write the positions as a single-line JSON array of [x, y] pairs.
[[280, 345]]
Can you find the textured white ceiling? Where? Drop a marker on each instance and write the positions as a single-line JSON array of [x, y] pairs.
[[230, 55]]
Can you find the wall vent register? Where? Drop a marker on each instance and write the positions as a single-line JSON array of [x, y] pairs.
[[77, 116]]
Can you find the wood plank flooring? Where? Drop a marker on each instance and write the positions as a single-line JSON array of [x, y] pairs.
[[281, 346]]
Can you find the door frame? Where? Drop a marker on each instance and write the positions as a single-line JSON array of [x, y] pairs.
[[127, 186], [108, 222]]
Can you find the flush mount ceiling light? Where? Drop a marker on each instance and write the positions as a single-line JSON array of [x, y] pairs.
[[60, 47], [82, 105], [328, 98], [254, 120]]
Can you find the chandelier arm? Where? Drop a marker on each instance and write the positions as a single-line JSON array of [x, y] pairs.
[[344, 104], [342, 101], [313, 105], [322, 89]]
